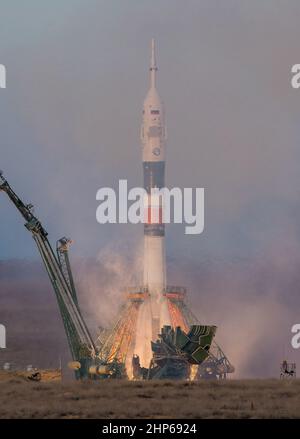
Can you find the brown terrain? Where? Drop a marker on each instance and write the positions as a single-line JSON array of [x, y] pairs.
[[35, 336], [44, 375], [157, 399]]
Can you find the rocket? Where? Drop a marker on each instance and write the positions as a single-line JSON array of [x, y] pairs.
[[153, 137]]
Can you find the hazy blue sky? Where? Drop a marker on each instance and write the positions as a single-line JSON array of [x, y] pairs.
[[70, 122], [70, 116]]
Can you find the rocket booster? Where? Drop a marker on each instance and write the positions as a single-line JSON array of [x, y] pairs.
[[153, 137]]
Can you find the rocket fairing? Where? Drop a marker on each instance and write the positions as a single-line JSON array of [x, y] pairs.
[[153, 137]]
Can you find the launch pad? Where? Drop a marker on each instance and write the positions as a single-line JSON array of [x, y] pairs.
[[175, 347], [120, 340]]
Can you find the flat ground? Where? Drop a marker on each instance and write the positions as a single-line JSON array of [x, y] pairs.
[[157, 399]]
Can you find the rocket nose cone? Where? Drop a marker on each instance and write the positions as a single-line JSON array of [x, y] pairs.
[[153, 98]]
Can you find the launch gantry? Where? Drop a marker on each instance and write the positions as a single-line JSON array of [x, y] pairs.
[[58, 268]]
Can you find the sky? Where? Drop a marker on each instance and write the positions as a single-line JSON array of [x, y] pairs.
[[77, 75]]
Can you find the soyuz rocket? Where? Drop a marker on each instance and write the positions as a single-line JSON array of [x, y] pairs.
[[153, 137]]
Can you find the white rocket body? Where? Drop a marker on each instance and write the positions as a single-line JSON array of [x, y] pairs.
[[153, 136]]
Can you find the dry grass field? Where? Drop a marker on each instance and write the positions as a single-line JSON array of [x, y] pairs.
[[46, 375], [160, 399]]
